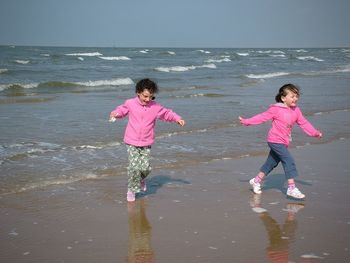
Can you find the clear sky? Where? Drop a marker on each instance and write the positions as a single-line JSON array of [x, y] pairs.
[[176, 23]]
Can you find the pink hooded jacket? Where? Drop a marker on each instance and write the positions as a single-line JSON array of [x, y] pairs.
[[142, 120], [283, 118]]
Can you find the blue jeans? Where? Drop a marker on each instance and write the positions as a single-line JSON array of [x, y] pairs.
[[279, 153]]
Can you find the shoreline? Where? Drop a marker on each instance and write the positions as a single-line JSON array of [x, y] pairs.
[[207, 212]]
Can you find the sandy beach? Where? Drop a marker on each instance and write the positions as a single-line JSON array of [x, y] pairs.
[[205, 213]]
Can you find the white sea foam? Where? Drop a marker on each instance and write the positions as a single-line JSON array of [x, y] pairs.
[[301, 50], [89, 54], [25, 86], [115, 58], [277, 55], [45, 55], [267, 76], [278, 52], [65, 180], [308, 58], [343, 69], [264, 51], [81, 59], [218, 60], [171, 52], [204, 51], [145, 51], [242, 54], [183, 68], [24, 62], [3, 70], [111, 82]]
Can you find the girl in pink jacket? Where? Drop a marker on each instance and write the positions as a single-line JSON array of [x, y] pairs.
[[284, 114], [143, 112]]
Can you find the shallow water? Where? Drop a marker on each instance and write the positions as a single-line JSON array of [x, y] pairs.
[[55, 103]]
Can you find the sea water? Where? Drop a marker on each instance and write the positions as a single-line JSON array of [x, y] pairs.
[[55, 104]]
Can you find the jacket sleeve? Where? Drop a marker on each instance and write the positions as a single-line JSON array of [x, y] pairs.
[[165, 114], [260, 118], [306, 126], [122, 110]]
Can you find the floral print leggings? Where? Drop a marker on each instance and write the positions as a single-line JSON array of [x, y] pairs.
[[139, 166]]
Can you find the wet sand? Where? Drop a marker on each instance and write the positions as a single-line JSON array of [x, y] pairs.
[[205, 213]]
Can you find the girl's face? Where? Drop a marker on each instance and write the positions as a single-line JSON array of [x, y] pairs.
[[290, 99], [145, 96]]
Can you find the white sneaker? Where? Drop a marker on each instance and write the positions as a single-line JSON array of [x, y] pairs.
[[295, 193], [256, 186]]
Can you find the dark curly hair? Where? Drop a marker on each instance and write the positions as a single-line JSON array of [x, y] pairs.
[[283, 91], [148, 84]]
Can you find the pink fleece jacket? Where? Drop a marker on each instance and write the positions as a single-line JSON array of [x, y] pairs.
[[142, 120], [283, 118]]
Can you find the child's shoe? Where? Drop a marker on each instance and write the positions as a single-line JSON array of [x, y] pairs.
[[143, 185], [295, 193], [256, 186], [130, 196]]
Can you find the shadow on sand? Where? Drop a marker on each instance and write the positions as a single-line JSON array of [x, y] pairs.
[[156, 182]]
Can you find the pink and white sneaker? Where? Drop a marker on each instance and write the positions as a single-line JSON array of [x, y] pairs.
[[130, 196]]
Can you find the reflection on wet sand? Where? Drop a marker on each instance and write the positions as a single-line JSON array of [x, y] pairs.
[[280, 236], [139, 249]]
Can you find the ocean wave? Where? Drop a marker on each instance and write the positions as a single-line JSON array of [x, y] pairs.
[[111, 82], [3, 70], [96, 147], [23, 62], [184, 68], [300, 50], [242, 54], [204, 51], [88, 54], [20, 151], [18, 86], [310, 58], [62, 84], [209, 95], [115, 58], [25, 100], [340, 69], [64, 180], [218, 60], [267, 75], [277, 55], [144, 51]]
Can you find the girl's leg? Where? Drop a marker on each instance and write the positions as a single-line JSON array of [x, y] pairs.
[[145, 165], [270, 163], [134, 173], [289, 167]]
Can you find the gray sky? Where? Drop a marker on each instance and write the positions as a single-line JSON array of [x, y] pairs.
[[176, 23]]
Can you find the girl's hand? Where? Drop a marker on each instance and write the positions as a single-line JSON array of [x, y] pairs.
[[240, 119], [320, 135], [113, 117], [181, 122]]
